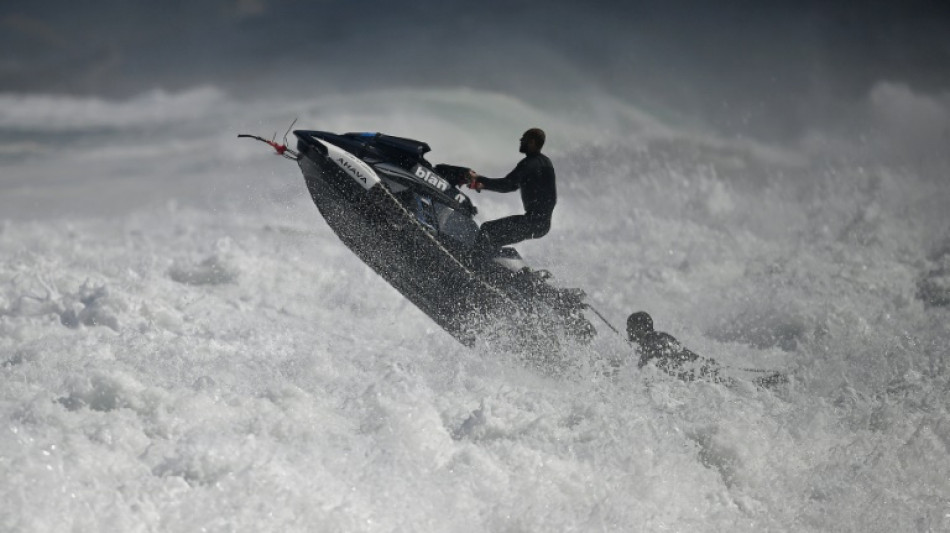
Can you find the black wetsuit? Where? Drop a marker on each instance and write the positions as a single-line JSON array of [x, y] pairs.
[[665, 348], [671, 357], [534, 176]]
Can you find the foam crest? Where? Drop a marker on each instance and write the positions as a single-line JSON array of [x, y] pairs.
[[49, 113]]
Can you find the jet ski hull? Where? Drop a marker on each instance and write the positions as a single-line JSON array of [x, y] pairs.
[[438, 287], [469, 301]]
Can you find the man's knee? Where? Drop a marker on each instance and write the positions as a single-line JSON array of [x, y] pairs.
[[541, 232], [540, 227]]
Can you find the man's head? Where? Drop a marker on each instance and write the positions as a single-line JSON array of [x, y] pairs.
[[639, 324], [532, 141]]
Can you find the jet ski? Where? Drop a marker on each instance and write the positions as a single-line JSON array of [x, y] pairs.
[[408, 220]]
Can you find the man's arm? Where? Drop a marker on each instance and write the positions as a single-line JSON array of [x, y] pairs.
[[509, 183]]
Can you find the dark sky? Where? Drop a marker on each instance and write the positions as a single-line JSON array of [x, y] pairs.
[[761, 67]]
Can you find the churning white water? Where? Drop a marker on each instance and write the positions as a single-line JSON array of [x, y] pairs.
[[186, 346]]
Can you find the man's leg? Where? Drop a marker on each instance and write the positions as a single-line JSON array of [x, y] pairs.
[[509, 230]]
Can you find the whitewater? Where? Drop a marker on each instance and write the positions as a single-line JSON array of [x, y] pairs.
[[186, 346]]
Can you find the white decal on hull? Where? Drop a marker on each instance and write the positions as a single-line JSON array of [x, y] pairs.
[[356, 169]]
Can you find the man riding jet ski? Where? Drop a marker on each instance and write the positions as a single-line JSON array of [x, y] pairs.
[[534, 177], [409, 222]]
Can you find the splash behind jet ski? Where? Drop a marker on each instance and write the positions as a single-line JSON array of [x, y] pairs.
[[407, 220]]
